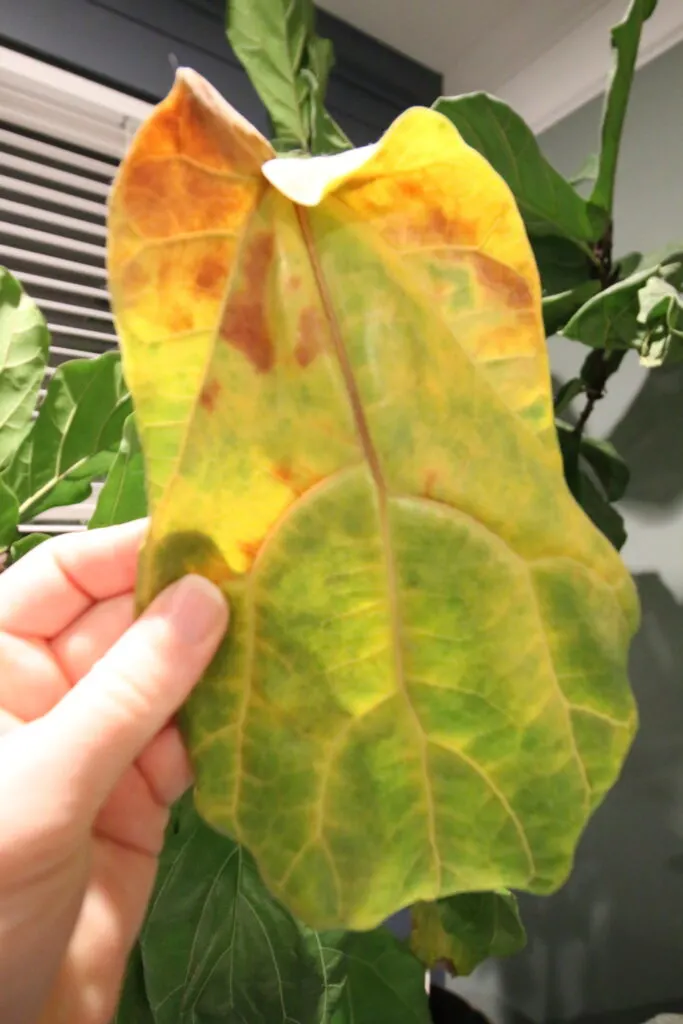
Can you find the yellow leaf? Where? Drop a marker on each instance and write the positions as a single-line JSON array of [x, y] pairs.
[[341, 388]]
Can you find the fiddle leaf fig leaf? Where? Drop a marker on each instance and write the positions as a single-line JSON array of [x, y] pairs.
[[123, 496], [588, 171], [461, 931], [567, 393], [661, 319], [575, 447], [133, 1005], [558, 309], [563, 267], [625, 43], [382, 980], [9, 515], [609, 319], [608, 466], [288, 66], [24, 345], [217, 946], [25, 544], [74, 437], [547, 202], [343, 399]]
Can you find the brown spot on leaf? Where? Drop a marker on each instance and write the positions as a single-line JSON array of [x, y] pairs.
[[209, 395], [295, 283], [429, 481], [249, 549], [245, 325], [210, 272], [310, 339], [504, 281]]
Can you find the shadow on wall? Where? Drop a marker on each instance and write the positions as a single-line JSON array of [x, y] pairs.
[[608, 948]]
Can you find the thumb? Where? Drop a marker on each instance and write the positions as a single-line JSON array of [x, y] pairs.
[[110, 716]]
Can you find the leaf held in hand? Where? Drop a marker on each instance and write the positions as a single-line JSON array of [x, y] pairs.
[[24, 345], [462, 931], [342, 394]]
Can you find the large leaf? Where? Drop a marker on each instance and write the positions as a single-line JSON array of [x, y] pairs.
[[563, 267], [288, 65], [217, 947], [74, 437], [123, 496], [548, 203], [625, 43], [558, 309], [609, 319], [464, 930], [134, 1005], [342, 393], [382, 980], [24, 344]]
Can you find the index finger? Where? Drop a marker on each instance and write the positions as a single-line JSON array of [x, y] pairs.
[[55, 583]]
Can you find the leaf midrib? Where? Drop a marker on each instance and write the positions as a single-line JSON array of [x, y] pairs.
[[383, 515]]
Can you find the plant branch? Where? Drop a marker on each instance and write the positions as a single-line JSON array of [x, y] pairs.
[[595, 372]]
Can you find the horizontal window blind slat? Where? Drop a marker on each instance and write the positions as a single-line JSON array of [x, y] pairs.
[[60, 241], [37, 149], [42, 193], [19, 164], [58, 220], [37, 281], [66, 308], [81, 332], [13, 253]]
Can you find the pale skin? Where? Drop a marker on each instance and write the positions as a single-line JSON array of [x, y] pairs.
[[89, 763]]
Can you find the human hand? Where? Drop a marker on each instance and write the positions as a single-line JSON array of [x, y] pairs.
[[88, 764]]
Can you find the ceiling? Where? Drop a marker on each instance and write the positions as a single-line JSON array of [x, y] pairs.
[[546, 57], [476, 45]]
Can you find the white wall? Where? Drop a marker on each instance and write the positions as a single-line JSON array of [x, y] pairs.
[[610, 944]]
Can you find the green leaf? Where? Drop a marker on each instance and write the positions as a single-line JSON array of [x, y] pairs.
[[607, 519], [562, 266], [625, 43], [558, 309], [123, 496], [661, 317], [74, 437], [288, 66], [462, 931], [9, 515], [567, 393], [604, 515], [588, 171], [24, 345], [548, 203], [608, 466], [383, 981], [27, 543], [134, 1005], [610, 319], [216, 946]]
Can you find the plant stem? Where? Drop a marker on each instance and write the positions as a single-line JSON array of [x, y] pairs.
[[596, 371]]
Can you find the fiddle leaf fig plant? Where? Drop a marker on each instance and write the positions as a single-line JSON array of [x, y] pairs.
[[341, 413]]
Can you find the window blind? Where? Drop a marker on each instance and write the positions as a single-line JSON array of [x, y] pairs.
[[61, 138]]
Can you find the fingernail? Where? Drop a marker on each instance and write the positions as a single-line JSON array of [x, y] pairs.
[[198, 609]]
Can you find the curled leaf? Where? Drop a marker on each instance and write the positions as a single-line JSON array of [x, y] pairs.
[[342, 393]]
